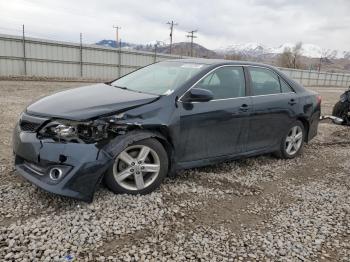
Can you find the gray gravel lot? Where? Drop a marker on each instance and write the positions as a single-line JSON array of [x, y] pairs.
[[257, 209]]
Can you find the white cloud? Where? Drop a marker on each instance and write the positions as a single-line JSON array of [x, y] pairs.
[[220, 23]]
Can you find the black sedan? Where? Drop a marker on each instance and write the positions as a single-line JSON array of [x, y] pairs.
[[171, 115]]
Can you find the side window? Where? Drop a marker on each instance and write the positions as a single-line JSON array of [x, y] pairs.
[[225, 82], [264, 81], [285, 87], [211, 79]]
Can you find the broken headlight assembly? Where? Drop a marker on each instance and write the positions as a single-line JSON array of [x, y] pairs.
[[81, 132]]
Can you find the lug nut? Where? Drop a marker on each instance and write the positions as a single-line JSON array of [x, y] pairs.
[[132, 163], [131, 170], [140, 162], [142, 167]]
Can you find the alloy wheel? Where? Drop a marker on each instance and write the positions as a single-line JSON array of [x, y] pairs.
[[294, 140], [136, 168]]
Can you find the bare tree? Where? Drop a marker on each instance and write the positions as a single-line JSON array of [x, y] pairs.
[[286, 58], [234, 56], [290, 58], [296, 54], [326, 56]]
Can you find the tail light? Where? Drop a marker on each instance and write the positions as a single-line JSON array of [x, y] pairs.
[[319, 99]]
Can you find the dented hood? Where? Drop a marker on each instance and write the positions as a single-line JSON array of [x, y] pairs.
[[88, 102]]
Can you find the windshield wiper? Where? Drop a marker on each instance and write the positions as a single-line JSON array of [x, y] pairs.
[[125, 88], [121, 87], [137, 91]]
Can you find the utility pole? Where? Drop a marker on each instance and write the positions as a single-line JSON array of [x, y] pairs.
[[191, 35], [172, 24], [116, 34]]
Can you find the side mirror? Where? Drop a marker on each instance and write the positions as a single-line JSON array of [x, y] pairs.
[[199, 95]]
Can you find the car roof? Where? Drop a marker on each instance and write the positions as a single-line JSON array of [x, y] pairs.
[[206, 61]]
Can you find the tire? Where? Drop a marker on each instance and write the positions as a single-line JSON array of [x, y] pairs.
[[341, 110], [130, 174], [337, 109], [297, 149]]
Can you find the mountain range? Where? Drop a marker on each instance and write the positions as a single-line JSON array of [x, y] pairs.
[[308, 50], [245, 50]]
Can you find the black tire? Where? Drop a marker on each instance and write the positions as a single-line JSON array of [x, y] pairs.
[[338, 109], [341, 110], [282, 153], [155, 145]]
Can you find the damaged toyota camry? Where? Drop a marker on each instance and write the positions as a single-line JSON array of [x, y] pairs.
[[178, 114]]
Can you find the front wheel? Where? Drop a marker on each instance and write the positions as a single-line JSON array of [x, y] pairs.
[[293, 141], [138, 169]]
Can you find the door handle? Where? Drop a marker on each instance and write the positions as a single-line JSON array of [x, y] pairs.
[[292, 102], [244, 108]]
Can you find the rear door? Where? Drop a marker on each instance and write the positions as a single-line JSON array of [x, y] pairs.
[[218, 127], [274, 107]]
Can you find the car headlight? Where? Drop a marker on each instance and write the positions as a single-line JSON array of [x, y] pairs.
[[82, 132], [64, 130]]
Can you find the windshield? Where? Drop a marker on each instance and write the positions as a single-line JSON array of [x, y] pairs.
[[161, 78]]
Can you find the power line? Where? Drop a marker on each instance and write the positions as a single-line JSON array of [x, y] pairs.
[[191, 35], [116, 34], [172, 24]]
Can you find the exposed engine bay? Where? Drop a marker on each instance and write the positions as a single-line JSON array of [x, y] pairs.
[[84, 132]]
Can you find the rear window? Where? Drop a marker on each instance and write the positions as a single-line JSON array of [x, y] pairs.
[[264, 81], [285, 88]]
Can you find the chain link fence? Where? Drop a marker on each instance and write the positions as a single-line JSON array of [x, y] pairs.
[[21, 56]]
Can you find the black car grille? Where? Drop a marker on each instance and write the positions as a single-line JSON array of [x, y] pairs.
[[29, 123], [28, 126]]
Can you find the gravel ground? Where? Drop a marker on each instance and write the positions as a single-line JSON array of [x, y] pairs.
[[257, 209]]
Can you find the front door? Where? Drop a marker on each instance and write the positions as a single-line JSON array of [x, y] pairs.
[[218, 127]]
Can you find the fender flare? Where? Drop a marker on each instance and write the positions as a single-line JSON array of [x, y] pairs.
[[119, 143]]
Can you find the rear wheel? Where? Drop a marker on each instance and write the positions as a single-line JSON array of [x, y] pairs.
[[293, 141], [138, 169]]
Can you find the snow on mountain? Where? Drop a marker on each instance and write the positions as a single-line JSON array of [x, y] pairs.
[[249, 49], [256, 49], [346, 54]]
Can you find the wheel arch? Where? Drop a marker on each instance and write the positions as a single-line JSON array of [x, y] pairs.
[[119, 143], [306, 125]]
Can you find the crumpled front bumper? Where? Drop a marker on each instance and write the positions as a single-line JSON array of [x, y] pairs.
[[84, 164]]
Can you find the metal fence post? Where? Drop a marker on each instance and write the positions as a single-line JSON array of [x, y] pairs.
[[120, 59], [336, 80], [24, 51], [81, 55], [155, 53]]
